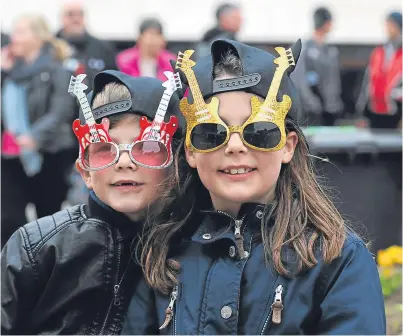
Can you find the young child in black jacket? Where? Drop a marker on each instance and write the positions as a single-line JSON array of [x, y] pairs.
[[74, 272]]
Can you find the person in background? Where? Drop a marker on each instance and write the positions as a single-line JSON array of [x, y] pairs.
[[5, 40], [229, 23], [317, 75], [91, 55], [148, 57], [36, 115], [380, 99]]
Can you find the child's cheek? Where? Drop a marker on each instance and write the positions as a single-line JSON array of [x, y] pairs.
[[155, 176]]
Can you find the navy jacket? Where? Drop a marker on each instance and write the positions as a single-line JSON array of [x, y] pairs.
[[219, 293]]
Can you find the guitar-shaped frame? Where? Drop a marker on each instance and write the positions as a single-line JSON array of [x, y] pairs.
[[158, 130], [90, 132], [199, 112], [272, 110]]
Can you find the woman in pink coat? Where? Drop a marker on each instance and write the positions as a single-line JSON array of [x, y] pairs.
[[149, 57]]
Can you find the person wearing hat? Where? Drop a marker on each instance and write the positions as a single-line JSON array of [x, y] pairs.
[[317, 75], [380, 99], [149, 57], [74, 272], [248, 241]]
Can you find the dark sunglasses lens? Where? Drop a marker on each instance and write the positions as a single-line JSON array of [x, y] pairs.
[[208, 136], [262, 134]]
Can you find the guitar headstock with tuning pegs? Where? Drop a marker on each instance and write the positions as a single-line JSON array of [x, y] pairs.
[[286, 58], [76, 85], [183, 61], [172, 83]]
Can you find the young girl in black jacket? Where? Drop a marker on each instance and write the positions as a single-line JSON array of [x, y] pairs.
[[248, 242]]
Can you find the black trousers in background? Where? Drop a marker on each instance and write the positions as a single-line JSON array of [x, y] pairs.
[[47, 190]]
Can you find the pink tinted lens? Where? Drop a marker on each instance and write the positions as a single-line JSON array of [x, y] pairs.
[[99, 154], [150, 153]]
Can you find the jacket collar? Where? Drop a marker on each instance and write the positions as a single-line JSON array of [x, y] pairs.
[[218, 225], [99, 210]]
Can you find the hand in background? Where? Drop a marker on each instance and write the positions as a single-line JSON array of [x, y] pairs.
[[7, 59], [27, 142]]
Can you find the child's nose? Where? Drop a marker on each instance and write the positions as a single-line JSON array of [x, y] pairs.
[[125, 161], [235, 144]]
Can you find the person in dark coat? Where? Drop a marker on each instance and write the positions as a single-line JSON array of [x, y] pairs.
[[36, 116], [90, 54]]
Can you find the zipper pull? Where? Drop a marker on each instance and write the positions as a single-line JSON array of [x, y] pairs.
[[169, 312], [277, 305], [238, 224], [239, 238], [116, 300]]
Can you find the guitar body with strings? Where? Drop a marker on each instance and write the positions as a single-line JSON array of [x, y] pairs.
[[163, 134], [83, 133], [190, 111]]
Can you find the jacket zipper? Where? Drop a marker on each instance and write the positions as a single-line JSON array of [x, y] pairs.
[[276, 308], [169, 312], [239, 290], [115, 301], [238, 235]]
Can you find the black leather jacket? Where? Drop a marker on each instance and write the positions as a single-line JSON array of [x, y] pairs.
[[69, 273]]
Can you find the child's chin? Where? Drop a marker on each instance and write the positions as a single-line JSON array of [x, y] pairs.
[[243, 196], [127, 208]]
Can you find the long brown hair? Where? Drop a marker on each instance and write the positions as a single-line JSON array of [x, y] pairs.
[[303, 213]]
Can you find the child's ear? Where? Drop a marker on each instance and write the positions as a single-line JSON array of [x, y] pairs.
[[289, 148], [190, 158], [85, 175]]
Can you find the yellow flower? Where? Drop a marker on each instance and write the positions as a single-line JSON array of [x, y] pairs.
[[396, 253], [384, 258]]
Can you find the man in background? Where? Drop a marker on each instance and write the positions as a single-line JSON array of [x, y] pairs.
[[228, 24], [149, 56], [90, 55], [317, 74], [380, 99]]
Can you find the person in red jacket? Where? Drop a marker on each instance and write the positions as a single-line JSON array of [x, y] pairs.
[[381, 95], [148, 57]]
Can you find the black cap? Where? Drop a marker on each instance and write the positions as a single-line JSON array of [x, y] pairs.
[[146, 94], [258, 69], [321, 16], [151, 23]]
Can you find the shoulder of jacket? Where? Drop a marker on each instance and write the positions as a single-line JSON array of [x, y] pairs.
[[38, 232], [352, 238]]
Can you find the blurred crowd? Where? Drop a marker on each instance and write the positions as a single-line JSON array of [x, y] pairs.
[[38, 148]]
